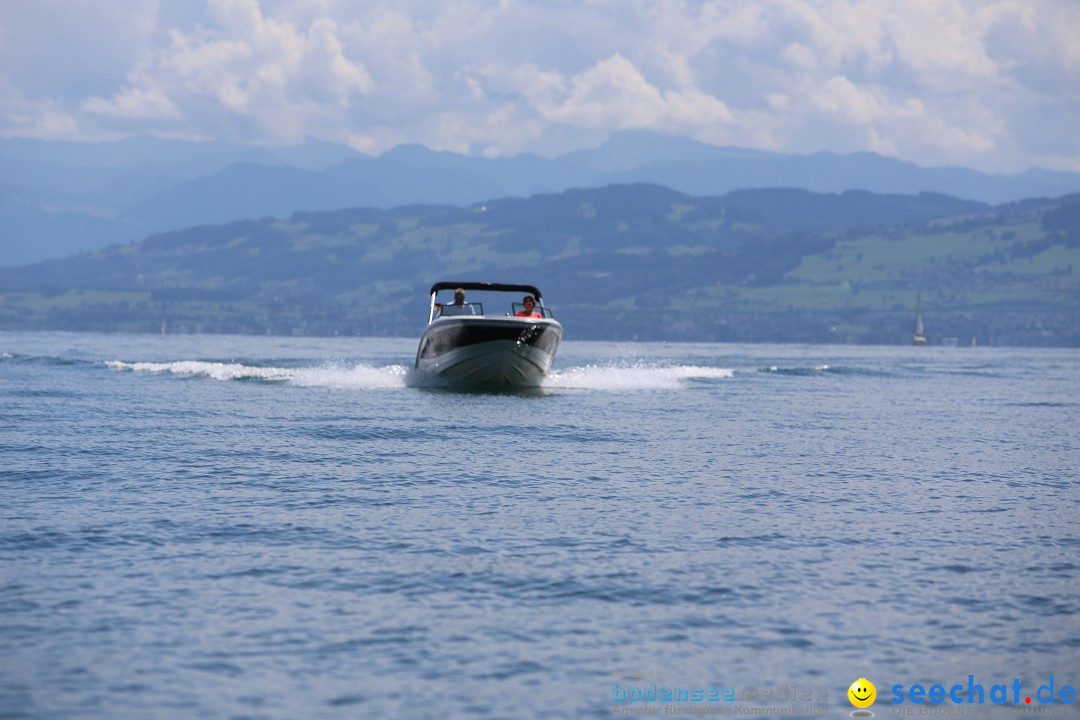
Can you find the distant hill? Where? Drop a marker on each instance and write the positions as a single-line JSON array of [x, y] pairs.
[[57, 198], [617, 262]]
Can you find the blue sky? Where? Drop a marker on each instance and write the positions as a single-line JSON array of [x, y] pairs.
[[990, 84]]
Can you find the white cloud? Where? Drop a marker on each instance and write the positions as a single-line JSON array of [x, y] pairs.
[[779, 101], [863, 106], [926, 80], [613, 94], [133, 103], [45, 124], [274, 76]]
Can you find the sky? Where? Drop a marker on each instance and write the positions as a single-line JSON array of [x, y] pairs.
[[988, 84]]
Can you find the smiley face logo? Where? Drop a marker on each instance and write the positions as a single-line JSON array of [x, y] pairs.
[[862, 693]]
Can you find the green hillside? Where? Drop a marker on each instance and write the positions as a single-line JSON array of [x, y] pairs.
[[617, 262]]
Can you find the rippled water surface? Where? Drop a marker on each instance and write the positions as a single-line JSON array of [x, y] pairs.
[[230, 527]]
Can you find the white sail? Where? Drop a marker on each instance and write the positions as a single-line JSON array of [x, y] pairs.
[[919, 338]]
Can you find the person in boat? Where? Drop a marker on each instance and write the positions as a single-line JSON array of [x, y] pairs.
[[530, 308], [459, 300], [458, 307]]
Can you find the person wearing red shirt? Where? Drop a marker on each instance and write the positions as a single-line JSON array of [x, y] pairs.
[[530, 308]]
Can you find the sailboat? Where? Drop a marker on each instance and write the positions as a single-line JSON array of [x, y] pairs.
[[919, 338]]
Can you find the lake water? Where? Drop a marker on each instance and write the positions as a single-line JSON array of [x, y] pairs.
[[237, 527]]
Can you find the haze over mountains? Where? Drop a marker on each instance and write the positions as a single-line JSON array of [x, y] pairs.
[[57, 198]]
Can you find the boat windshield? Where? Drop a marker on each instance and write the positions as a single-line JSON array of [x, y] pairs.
[[518, 309], [466, 309]]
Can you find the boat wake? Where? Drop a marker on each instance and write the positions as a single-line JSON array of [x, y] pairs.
[[359, 375], [664, 377], [810, 370], [373, 377]]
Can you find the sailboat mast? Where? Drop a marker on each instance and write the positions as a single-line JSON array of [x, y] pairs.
[[919, 338]]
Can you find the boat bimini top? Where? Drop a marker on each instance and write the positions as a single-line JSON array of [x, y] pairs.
[[477, 308]]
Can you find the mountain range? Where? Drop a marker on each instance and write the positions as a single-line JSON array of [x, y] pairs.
[[59, 198], [631, 261]]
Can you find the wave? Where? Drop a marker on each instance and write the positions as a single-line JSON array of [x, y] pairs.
[[334, 375], [360, 376], [594, 377], [824, 369], [777, 370], [43, 360], [363, 376]]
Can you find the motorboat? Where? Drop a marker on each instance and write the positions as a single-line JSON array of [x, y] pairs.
[[464, 345]]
